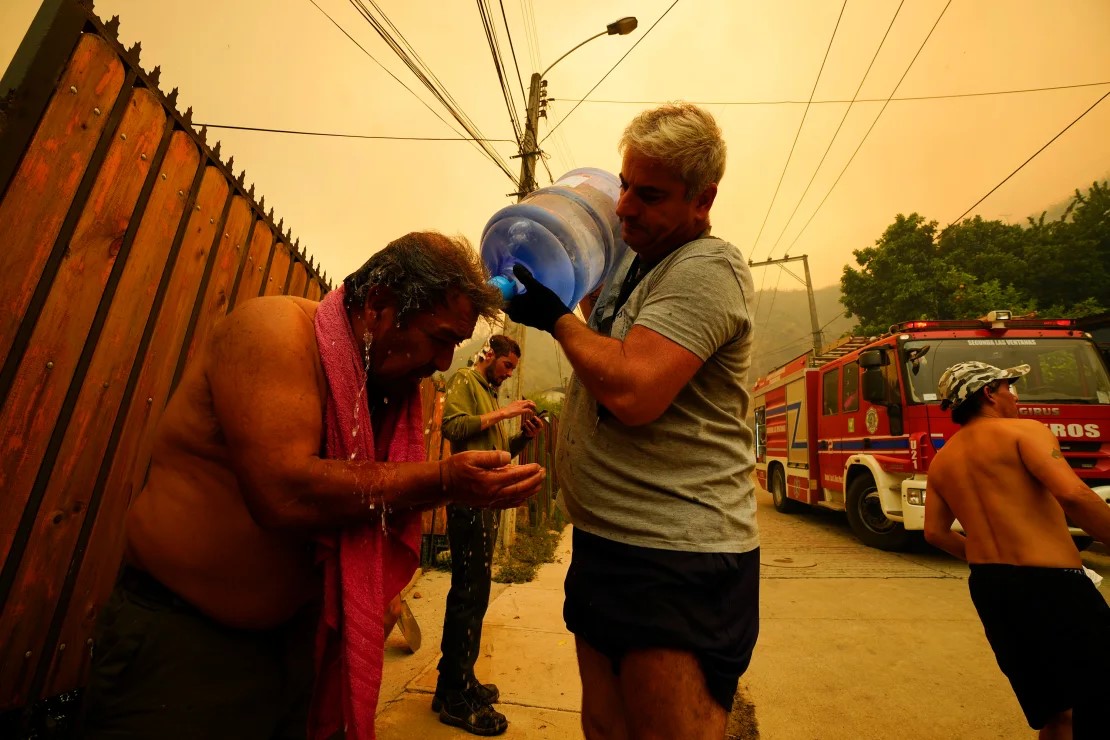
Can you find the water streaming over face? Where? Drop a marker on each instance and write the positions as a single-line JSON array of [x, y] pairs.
[[367, 343]]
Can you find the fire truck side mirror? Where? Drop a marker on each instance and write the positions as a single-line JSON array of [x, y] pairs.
[[873, 358]]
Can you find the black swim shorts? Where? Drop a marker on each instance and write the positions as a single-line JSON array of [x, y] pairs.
[[162, 669], [622, 597], [1050, 631]]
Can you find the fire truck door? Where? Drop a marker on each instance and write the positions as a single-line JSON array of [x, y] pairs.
[[831, 431]]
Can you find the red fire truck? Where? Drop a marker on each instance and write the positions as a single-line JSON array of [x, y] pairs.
[[854, 427]]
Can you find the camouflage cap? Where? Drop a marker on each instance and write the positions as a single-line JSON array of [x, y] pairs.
[[960, 381]]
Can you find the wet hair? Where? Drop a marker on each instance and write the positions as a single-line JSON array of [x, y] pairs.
[[421, 269], [971, 405], [685, 137], [502, 345]]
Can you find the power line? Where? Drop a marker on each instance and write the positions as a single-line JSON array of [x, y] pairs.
[[808, 337], [543, 161], [774, 294], [512, 48], [872, 127], [530, 35], [644, 36], [901, 98], [798, 133], [837, 132], [389, 33], [476, 138], [1054, 138], [384, 68], [499, 66], [346, 136]]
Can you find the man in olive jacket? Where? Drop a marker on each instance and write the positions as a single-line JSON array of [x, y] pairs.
[[472, 421]]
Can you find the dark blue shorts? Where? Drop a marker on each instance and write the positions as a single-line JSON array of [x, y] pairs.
[[1050, 631], [623, 597]]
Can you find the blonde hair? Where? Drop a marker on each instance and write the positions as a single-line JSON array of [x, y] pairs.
[[685, 137]]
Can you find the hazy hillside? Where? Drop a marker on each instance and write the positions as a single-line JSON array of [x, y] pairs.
[[782, 325], [1055, 210]]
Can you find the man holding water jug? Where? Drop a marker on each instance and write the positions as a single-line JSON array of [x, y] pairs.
[[654, 458]]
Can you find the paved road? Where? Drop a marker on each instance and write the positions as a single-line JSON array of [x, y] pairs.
[[854, 643], [860, 643]]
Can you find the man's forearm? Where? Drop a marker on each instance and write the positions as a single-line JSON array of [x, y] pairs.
[[1090, 512], [953, 543], [492, 417], [598, 361], [326, 494]]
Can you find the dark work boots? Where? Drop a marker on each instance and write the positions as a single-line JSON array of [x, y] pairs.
[[471, 709]]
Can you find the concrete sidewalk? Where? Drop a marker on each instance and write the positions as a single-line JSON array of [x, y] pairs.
[[526, 651], [854, 643]]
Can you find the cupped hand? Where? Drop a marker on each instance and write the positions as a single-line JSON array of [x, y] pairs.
[[487, 480]]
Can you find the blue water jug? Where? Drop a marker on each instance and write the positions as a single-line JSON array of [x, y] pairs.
[[567, 235]]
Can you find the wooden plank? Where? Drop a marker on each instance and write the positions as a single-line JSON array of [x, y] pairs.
[[254, 271], [437, 448], [39, 197], [217, 295], [42, 380], [143, 409], [298, 282], [278, 276], [27, 615], [314, 293]]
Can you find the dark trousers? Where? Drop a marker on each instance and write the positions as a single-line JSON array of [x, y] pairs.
[[161, 669], [471, 533]]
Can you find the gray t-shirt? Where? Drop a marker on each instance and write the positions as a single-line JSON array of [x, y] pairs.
[[682, 482]]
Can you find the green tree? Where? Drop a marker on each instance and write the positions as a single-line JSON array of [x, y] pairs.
[[1056, 268], [901, 278], [1069, 259]]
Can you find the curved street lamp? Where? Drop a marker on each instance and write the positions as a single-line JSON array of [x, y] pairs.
[[529, 149]]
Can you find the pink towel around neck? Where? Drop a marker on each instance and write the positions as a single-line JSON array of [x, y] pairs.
[[366, 565]]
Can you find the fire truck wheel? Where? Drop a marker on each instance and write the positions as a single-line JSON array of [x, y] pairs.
[[866, 517], [778, 493]]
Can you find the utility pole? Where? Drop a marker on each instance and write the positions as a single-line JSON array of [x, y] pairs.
[[529, 150], [818, 338]]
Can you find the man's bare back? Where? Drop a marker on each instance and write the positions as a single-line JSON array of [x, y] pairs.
[[191, 528], [238, 487], [983, 475]]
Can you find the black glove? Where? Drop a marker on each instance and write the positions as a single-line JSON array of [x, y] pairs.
[[539, 308]]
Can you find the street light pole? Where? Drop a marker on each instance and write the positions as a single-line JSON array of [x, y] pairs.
[[529, 146], [529, 150]]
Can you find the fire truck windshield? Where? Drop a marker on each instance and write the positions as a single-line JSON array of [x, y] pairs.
[[1067, 370]]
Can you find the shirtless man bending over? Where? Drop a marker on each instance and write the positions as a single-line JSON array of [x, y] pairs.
[[209, 633], [1007, 482]]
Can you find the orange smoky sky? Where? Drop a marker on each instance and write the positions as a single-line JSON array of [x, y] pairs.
[[754, 65]]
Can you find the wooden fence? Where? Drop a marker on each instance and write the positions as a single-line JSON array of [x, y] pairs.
[[123, 237], [540, 508]]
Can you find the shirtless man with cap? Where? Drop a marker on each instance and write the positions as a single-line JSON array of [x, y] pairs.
[[1006, 481]]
